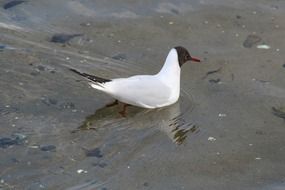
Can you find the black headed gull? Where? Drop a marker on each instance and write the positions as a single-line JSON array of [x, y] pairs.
[[147, 91]]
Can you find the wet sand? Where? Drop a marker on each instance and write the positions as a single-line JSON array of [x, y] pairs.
[[226, 132]]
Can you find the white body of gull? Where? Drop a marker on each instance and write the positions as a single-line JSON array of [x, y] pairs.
[[147, 91]]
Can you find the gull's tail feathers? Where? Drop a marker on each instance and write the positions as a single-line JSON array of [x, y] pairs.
[[95, 81]]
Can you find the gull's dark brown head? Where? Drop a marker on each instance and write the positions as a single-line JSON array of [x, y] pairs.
[[184, 55]]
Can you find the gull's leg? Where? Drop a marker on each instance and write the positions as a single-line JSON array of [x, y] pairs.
[[116, 102], [123, 112]]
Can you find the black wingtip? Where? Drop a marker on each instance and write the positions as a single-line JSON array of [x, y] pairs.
[[75, 71], [90, 77]]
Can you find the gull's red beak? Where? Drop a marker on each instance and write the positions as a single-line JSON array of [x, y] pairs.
[[195, 59]]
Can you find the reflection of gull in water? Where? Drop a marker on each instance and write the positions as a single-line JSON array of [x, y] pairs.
[[175, 125], [170, 120]]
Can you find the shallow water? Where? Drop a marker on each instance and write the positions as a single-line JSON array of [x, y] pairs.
[[226, 132]]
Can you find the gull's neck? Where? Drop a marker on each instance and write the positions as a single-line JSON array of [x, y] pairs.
[[171, 69]]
